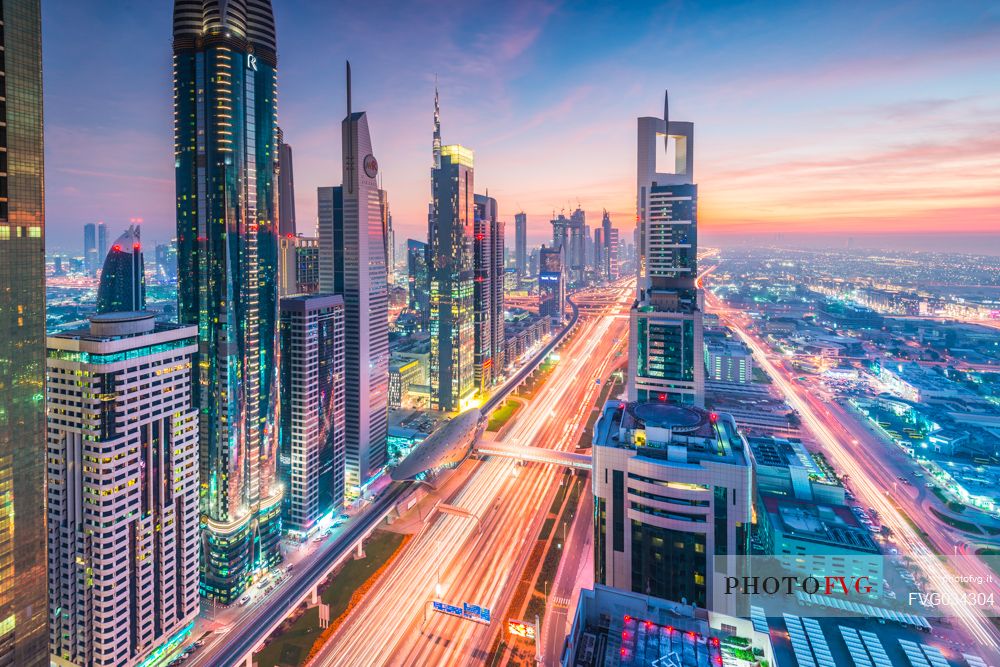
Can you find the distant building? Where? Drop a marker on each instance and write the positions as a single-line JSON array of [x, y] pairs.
[[489, 292], [728, 361], [286, 189], [311, 459], [122, 488], [123, 279], [418, 275], [388, 235], [576, 252], [403, 375], [665, 336], [673, 491], [166, 261], [298, 265], [521, 244], [551, 283]]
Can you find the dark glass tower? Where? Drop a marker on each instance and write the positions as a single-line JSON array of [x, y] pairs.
[[123, 283], [23, 597], [225, 141]]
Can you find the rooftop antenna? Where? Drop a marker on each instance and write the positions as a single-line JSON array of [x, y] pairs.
[[666, 120]]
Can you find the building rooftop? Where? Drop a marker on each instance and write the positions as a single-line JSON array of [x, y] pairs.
[[834, 526], [678, 433], [784, 453]]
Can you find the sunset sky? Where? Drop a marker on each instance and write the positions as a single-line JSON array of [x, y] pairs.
[[810, 118]]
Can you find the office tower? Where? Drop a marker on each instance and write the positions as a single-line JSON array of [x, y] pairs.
[[102, 243], [673, 489], [123, 280], [298, 265], [286, 188], [57, 266], [91, 261], [166, 261], [23, 608], [665, 337], [352, 263], [311, 456], [533, 257], [388, 235], [123, 488], [225, 137], [551, 282], [521, 244], [452, 281], [419, 277], [576, 252]]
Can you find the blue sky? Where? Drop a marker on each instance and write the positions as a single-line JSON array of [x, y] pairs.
[[811, 118]]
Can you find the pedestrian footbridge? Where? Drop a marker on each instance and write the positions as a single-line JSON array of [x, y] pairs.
[[535, 455]]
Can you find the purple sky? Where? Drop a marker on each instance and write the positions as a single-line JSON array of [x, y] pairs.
[[847, 118]]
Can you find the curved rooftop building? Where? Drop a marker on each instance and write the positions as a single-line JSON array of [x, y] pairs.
[[225, 153], [123, 283]]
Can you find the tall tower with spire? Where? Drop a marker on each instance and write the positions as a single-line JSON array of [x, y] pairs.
[[225, 153], [436, 149]]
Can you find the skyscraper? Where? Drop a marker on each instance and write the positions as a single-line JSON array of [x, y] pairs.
[[225, 140], [497, 275], [521, 244], [488, 292], [352, 263], [450, 239], [673, 492], [576, 253], [599, 251], [123, 488], [665, 338], [286, 188], [123, 281], [23, 608], [299, 264], [560, 232], [418, 273], [311, 458], [102, 243]]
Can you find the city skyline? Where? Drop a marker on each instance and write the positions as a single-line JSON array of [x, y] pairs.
[[851, 131]]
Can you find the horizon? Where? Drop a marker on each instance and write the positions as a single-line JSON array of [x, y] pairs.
[[837, 131]]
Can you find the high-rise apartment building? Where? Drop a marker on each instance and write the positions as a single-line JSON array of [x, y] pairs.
[[673, 494], [23, 608], [122, 287], [521, 244], [91, 261], [353, 264], [225, 142], [286, 189], [551, 282], [418, 264], [665, 338], [576, 252], [311, 458], [122, 489], [560, 232], [728, 361]]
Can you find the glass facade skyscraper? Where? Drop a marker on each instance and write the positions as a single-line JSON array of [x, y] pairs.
[[225, 136], [23, 600], [123, 281]]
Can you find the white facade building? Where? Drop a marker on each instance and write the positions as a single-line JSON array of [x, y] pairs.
[[728, 361], [122, 489]]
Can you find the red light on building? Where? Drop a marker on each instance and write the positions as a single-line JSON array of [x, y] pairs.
[[713, 417], [627, 618], [663, 397], [116, 248], [135, 246]]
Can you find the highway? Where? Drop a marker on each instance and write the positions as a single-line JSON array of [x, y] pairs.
[[240, 630], [458, 559], [852, 453]]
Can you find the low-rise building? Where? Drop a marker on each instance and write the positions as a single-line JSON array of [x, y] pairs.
[[728, 361], [785, 467]]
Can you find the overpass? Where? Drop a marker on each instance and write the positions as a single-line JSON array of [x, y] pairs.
[[536, 455]]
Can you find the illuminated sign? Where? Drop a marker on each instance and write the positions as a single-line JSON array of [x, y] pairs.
[[470, 612], [371, 165], [252, 62], [521, 628]]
